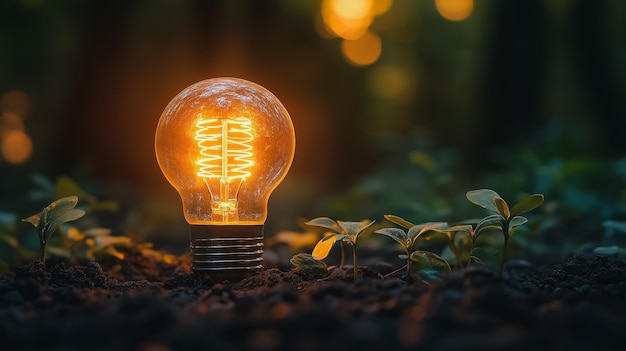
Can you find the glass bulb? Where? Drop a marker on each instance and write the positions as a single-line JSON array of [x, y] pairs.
[[225, 144]]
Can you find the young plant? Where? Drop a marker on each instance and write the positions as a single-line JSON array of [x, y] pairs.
[[309, 265], [50, 219], [343, 232], [503, 218], [456, 242], [421, 265], [473, 232]]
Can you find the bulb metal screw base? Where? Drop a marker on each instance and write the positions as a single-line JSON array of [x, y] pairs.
[[226, 252]]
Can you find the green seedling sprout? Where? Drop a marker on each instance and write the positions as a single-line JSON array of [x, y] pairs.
[[309, 265], [503, 218], [456, 241], [51, 218], [421, 265], [343, 232]]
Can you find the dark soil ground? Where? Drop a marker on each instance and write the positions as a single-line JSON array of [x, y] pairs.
[[146, 305]]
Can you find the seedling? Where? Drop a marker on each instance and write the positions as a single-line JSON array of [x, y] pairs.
[[421, 265], [456, 242], [343, 232], [504, 218], [473, 232], [50, 219], [309, 265]]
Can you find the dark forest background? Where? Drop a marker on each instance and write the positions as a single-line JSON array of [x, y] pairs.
[[521, 96]]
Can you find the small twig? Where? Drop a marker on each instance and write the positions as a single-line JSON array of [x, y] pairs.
[[396, 271]]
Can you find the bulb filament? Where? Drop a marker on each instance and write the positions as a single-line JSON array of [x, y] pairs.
[[225, 158]]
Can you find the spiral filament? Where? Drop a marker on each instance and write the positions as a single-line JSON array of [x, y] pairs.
[[225, 160]]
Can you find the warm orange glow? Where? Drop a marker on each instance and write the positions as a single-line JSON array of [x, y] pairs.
[[381, 6], [17, 147], [224, 144], [363, 51], [347, 19], [455, 10], [11, 121], [226, 156], [225, 147], [351, 9], [15, 101]]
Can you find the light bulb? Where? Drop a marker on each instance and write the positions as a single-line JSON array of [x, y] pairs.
[[225, 144]]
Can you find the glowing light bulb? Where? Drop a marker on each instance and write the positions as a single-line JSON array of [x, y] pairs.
[[225, 144]]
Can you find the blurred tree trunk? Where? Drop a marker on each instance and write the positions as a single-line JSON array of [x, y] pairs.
[[597, 74], [514, 79]]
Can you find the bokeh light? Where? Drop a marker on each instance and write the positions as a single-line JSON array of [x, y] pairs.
[[351, 20], [347, 19], [379, 7], [391, 82], [455, 10], [363, 51], [17, 147]]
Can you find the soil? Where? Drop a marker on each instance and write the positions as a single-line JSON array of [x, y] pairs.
[[147, 305]]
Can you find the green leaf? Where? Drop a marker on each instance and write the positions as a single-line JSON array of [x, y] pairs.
[[309, 264], [59, 207], [527, 204], [483, 198], [396, 234], [420, 229], [355, 228], [69, 216], [502, 207], [399, 221], [427, 267], [517, 221], [461, 228], [403, 256], [325, 222], [491, 220], [322, 248]]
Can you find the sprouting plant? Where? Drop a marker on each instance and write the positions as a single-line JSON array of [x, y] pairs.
[[504, 218], [456, 242], [424, 266], [343, 232], [309, 265], [50, 219], [473, 231]]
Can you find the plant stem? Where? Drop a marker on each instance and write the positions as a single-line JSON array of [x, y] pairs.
[[505, 232], [457, 255], [343, 255], [408, 270], [42, 251], [355, 261], [469, 261]]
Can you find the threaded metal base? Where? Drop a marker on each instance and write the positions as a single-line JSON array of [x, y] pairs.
[[226, 252]]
